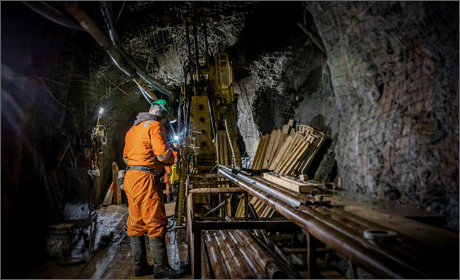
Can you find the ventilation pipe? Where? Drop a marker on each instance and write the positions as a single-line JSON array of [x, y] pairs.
[[118, 58], [113, 36]]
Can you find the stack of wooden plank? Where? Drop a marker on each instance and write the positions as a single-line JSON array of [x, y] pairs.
[[269, 146], [289, 152]]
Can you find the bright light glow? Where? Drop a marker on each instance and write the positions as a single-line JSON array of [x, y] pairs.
[[176, 137], [101, 111]]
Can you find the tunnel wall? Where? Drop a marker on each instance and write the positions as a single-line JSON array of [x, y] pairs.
[[394, 70]]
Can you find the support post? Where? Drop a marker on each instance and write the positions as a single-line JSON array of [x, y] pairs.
[[312, 244]]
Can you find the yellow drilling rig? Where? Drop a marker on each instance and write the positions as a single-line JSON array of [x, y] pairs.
[[207, 114]]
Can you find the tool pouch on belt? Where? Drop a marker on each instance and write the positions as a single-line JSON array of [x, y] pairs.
[[144, 169]]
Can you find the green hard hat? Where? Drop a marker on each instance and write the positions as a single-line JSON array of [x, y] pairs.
[[161, 102]]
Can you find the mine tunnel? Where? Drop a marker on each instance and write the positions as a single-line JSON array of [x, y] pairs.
[[298, 139]]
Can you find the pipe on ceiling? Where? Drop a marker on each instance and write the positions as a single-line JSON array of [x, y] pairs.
[[53, 14], [90, 26], [113, 36]]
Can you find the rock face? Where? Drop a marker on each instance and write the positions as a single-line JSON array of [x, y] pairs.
[[394, 71]]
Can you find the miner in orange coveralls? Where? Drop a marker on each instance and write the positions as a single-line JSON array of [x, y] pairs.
[[145, 153]]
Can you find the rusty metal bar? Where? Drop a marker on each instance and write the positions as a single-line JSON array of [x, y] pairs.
[[351, 224], [205, 269], [252, 263], [409, 257], [194, 228], [217, 190], [262, 258], [232, 268], [222, 204], [305, 250], [244, 269], [217, 263], [379, 263]]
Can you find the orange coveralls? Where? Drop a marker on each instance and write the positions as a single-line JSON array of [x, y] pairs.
[[146, 145]]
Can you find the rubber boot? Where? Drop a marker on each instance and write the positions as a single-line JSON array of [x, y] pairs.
[[140, 256], [161, 266]]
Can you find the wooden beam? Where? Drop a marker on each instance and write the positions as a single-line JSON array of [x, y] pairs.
[[289, 184], [116, 185], [281, 152]]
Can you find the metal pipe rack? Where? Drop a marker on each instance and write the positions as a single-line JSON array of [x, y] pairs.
[[381, 259], [196, 227]]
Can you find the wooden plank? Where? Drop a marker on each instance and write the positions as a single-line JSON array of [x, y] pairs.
[[265, 211], [274, 148], [268, 150], [285, 151], [286, 129], [300, 152], [286, 141], [254, 161], [318, 143], [281, 142], [289, 184], [291, 123], [116, 185], [259, 152], [290, 154], [274, 138], [267, 141], [293, 169], [264, 143], [302, 160], [221, 146], [297, 152]]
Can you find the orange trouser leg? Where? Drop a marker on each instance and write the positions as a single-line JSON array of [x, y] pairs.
[[145, 204]]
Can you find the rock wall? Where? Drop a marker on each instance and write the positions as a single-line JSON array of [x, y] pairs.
[[394, 71]]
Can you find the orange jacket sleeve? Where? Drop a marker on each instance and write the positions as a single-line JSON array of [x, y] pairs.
[[159, 144]]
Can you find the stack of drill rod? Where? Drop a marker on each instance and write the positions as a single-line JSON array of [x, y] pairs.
[[406, 258], [234, 254]]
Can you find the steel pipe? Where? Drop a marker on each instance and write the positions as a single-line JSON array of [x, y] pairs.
[[274, 271], [405, 253], [244, 270], [216, 190], [232, 269], [222, 204], [286, 198], [205, 269], [380, 264], [215, 258], [258, 270], [357, 237]]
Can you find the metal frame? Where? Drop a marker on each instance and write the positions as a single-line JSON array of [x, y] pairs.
[[195, 227]]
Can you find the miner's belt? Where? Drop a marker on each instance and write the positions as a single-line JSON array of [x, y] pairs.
[[144, 169]]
